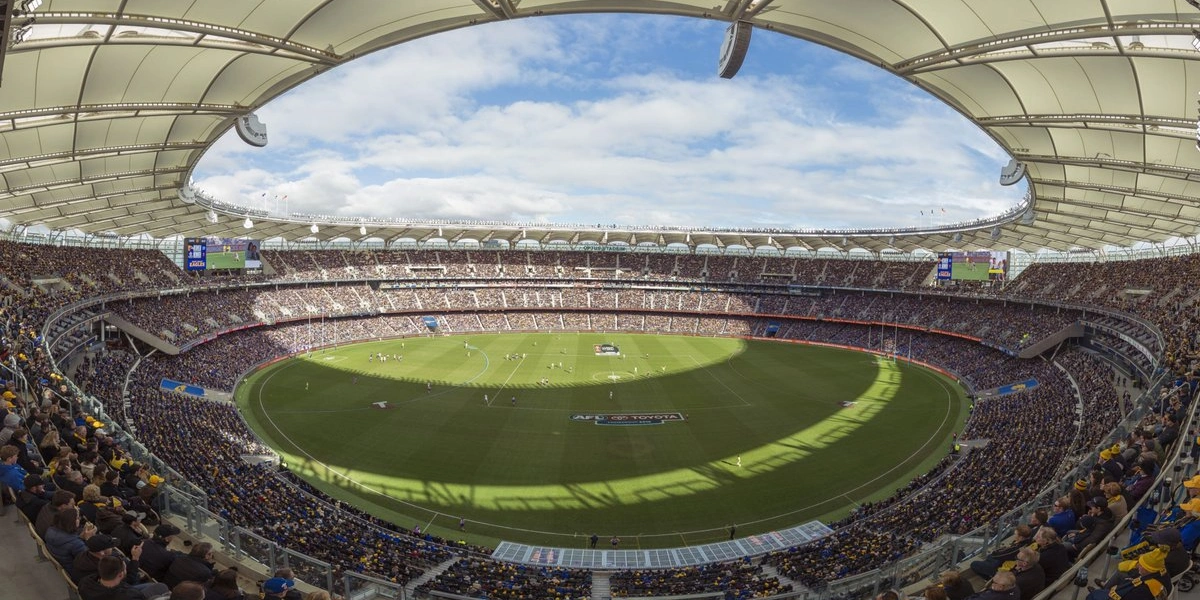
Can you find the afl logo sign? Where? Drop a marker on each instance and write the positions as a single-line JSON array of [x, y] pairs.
[[733, 49]]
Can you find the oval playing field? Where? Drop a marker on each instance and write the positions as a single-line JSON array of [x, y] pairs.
[[545, 438]]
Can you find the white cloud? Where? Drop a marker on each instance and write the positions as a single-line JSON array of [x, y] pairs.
[[513, 122]]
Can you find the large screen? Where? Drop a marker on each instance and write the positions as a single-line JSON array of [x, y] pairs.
[[195, 254], [221, 253], [972, 266]]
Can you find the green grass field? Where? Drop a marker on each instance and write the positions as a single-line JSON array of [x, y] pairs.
[[526, 471]]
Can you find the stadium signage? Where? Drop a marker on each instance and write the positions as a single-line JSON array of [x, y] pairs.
[[630, 418]]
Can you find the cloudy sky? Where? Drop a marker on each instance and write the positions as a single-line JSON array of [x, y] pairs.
[[614, 119]]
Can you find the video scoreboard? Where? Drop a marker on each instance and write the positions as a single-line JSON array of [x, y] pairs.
[[206, 254], [972, 266]]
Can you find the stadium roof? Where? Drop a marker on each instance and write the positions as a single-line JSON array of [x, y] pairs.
[[107, 105]]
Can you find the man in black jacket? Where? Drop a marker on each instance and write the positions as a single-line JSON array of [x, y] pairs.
[[31, 499], [108, 583], [157, 555]]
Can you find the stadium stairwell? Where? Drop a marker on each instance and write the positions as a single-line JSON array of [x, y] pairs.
[[1074, 330], [141, 334]]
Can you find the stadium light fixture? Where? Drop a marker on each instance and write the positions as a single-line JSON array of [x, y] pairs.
[[362, 230], [314, 228], [248, 224]]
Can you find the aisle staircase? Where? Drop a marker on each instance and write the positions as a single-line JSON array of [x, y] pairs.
[[770, 571], [600, 586], [428, 576]]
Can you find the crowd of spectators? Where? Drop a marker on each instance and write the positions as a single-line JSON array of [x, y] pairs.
[[205, 440], [182, 319], [481, 578], [737, 580], [331, 265]]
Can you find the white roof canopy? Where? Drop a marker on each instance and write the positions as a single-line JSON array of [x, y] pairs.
[[107, 105]]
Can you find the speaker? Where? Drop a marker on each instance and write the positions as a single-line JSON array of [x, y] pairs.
[[1012, 172], [251, 130], [733, 49]]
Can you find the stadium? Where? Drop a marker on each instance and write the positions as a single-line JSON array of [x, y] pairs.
[[380, 406]]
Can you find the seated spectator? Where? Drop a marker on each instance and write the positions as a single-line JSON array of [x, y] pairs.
[[60, 501], [1116, 500], [63, 542], [32, 499], [224, 586], [956, 586], [277, 587], [1031, 578], [108, 583], [11, 474], [1003, 586], [1053, 554], [1022, 537], [196, 565], [1151, 582], [189, 590], [1063, 519], [156, 553]]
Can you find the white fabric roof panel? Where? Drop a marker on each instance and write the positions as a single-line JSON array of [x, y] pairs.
[[108, 104]]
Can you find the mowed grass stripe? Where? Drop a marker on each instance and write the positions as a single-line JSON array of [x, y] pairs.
[[531, 468]]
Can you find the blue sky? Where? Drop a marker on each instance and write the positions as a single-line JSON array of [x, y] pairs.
[[614, 119]]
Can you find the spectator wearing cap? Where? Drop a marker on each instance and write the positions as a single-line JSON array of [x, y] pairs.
[[1167, 542], [32, 499], [290, 576], [1193, 486], [157, 555], [1093, 526], [277, 587], [99, 546], [196, 565], [1151, 582], [1138, 481], [1110, 461], [130, 532]]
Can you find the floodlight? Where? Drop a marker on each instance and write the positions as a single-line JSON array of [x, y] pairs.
[[314, 228], [248, 224], [362, 230]]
